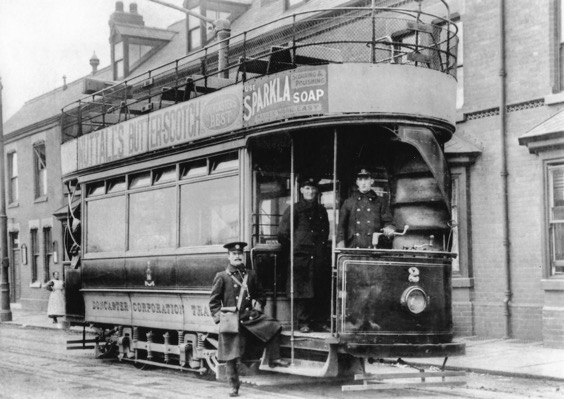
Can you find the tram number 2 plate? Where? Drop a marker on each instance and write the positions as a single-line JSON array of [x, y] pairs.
[[413, 275]]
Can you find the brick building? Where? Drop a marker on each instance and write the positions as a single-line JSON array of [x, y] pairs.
[[507, 166]]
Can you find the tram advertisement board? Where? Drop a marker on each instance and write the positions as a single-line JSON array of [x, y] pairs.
[[189, 121], [300, 92]]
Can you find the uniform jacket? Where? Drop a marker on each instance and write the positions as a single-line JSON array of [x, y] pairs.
[[361, 216], [311, 258], [225, 292]]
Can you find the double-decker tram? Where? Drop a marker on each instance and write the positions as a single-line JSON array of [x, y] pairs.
[[171, 165]]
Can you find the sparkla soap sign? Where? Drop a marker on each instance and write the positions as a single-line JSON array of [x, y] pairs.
[[298, 92]]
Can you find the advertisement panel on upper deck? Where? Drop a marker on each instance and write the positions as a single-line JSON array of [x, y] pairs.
[[192, 120], [285, 95]]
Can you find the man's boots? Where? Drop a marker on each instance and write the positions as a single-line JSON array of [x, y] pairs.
[[234, 387]]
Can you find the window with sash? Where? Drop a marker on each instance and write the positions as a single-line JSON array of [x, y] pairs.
[[34, 256], [13, 193], [47, 253], [40, 166], [556, 218]]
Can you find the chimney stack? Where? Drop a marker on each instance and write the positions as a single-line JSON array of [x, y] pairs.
[[65, 82], [121, 17]]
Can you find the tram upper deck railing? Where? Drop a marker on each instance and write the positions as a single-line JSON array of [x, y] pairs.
[[339, 35]]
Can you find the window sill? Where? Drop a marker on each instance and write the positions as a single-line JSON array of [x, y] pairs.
[[13, 205], [35, 284], [553, 284], [462, 282], [40, 199]]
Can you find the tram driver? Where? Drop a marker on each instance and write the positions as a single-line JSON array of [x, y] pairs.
[[312, 267], [254, 326], [363, 214]]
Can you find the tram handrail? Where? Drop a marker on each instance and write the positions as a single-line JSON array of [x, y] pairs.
[[400, 36]]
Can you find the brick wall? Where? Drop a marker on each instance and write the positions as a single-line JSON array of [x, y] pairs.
[[528, 79]]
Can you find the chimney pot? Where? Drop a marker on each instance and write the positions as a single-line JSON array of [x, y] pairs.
[[94, 62], [133, 8], [119, 6]]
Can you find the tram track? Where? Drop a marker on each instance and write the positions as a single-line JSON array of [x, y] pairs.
[[36, 355]]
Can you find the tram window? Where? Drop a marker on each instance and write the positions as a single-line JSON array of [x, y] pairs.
[[116, 185], [140, 180], [152, 220], [209, 212], [164, 175], [224, 162], [97, 188], [273, 199], [106, 225], [194, 169]]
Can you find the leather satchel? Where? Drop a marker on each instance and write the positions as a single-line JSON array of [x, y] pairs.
[[229, 320], [229, 315]]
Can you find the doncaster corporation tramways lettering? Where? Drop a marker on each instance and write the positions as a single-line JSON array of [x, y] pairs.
[[151, 307], [143, 307], [116, 306], [200, 310]]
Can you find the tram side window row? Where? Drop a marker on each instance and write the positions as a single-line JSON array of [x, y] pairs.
[[188, 204]]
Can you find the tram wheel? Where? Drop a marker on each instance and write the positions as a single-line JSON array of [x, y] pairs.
[[105, 350], [141, 366]]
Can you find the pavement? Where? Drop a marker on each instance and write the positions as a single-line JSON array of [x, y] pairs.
[[507, 357]]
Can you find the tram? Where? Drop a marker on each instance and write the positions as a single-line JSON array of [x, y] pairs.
[[165, 168]]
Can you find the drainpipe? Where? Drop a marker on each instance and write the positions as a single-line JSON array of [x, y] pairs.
[[504, 172], [5, 312]]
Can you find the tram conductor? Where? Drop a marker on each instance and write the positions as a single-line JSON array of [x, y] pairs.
[[363, 214], [254, 326], [312, 268]]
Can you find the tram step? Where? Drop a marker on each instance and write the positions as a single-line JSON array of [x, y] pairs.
[[308, 367], [80, 344], [376, 381]]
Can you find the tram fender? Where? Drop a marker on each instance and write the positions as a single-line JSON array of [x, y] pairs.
[[406, 350]]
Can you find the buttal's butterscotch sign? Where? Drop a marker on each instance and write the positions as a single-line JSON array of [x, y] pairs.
[[178, 124]]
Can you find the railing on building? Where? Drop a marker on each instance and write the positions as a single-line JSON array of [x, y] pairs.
[[339, 35]]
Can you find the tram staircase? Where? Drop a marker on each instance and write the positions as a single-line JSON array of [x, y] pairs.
[[119, 105]]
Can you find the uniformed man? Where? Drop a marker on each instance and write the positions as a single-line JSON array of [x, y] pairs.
[[363, 214], [312, 267], [254, 327]]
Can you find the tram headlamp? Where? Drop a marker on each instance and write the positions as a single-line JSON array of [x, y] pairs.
[[415, 299]]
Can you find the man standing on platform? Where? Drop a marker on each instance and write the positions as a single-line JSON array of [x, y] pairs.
[[363, 214], [312, 266]]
